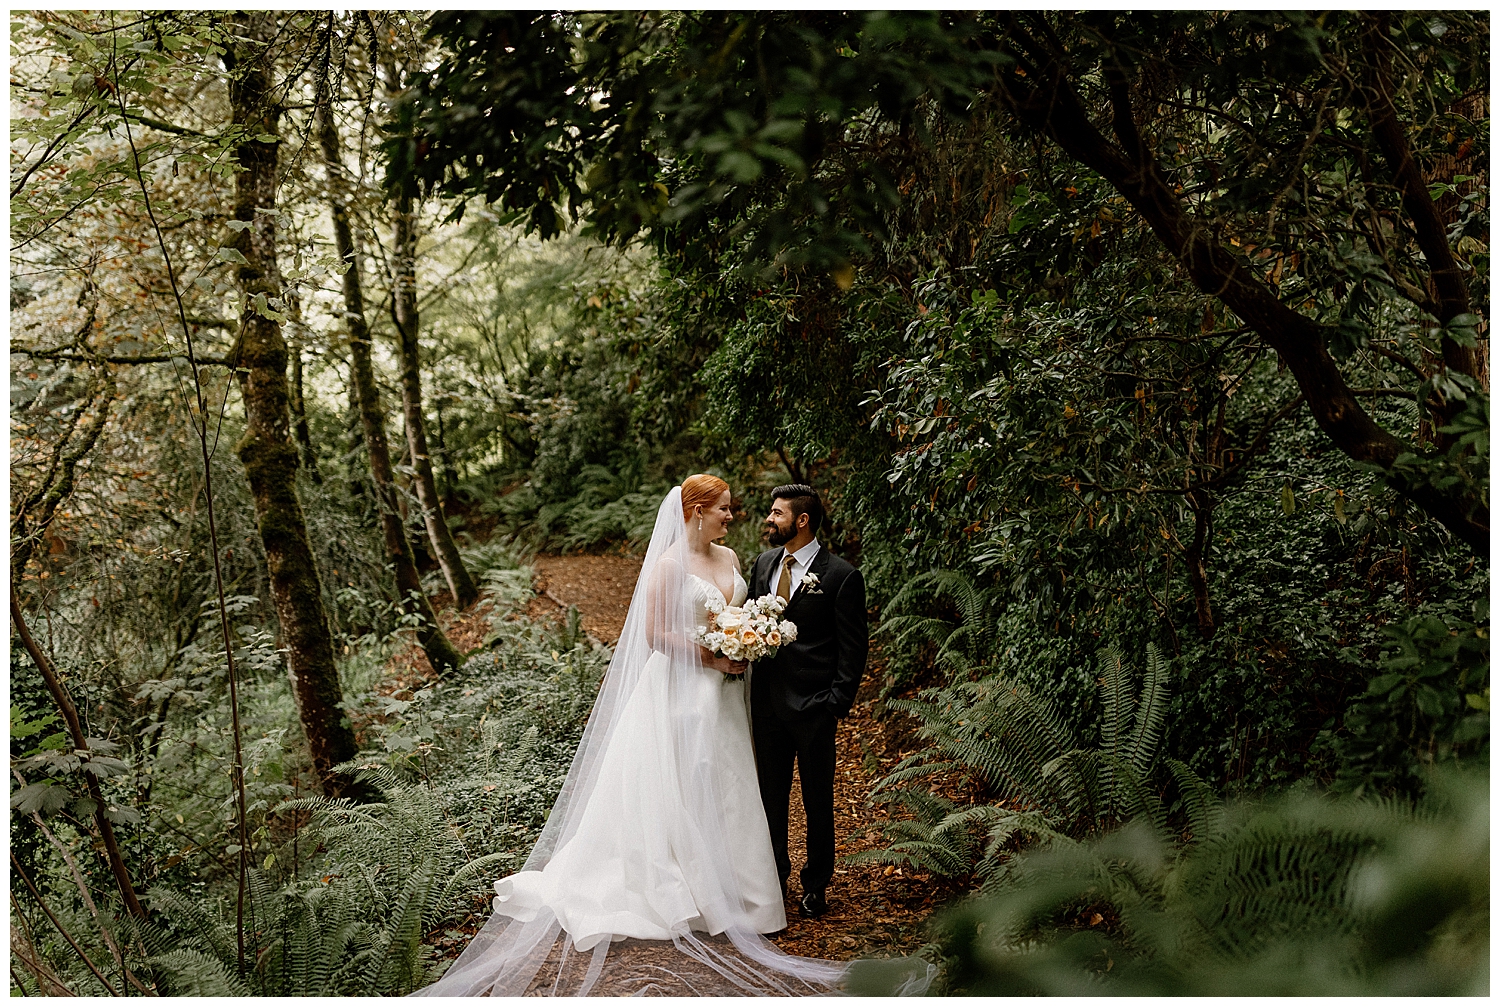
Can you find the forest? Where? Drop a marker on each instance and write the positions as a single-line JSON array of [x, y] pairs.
[[1141, 361]]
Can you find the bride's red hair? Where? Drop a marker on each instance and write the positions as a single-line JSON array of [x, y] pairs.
[[701, 490]]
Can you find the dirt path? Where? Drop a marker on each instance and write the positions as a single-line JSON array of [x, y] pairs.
[[872, 910], [600, 586]]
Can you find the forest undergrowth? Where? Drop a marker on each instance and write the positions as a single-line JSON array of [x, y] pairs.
[[1141, 359], [462, 772]]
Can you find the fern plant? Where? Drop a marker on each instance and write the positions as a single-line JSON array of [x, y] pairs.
[[1302, 895], [1026, 755], [914, 620], [396, 870]]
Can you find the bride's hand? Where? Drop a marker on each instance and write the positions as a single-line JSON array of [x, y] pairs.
[[724, 665]]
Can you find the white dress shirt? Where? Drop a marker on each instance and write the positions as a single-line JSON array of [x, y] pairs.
[[801, 562]]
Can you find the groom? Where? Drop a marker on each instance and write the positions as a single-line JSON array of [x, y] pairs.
[[797, 697]]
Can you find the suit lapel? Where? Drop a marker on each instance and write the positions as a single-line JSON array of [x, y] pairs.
[[818, 569]]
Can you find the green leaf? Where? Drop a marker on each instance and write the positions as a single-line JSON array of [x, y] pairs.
[[45, 798], [740, 166], [21, 728], [227, 254], [1288, 500]]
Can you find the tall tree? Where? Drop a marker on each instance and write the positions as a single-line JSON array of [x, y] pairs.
[[435, 643], [408, 319], [299, 401], [267, 450], [408, 327]]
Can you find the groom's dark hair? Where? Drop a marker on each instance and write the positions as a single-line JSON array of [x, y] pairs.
[[802, 499]]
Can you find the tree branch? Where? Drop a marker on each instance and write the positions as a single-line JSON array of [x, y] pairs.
[[81, 746], [1432, 236], [165, 127], [1047, 102], [46, 154], [157, 358], [60, 928]]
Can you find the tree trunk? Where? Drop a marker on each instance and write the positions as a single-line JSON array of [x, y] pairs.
[[299, 404], [1196, 557], [267, 451], [356, 470], [81, 748], [450, 478], [408, 325], [444, 657]]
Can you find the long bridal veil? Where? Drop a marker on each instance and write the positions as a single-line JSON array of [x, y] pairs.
[[519, 951]]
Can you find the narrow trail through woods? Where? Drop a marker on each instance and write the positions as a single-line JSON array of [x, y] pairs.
[[872, 910]]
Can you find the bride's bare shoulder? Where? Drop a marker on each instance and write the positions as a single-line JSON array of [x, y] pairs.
[[667, 566], [724, 554]]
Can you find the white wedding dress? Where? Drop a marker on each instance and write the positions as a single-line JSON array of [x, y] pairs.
[[657, 840], [635, 867]]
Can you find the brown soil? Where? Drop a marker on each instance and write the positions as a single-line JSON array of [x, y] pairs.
[[601, 587]]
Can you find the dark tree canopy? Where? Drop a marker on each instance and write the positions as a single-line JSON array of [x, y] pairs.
[[1278, 158]]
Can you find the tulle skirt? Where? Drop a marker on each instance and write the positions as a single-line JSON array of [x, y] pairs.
[[636, 865]]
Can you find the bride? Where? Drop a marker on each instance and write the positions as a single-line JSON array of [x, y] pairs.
[[658, 833]]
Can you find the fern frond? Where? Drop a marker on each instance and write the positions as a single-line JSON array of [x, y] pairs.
[[1205, 811], [193, 973], [463, 879], [1119, 702], [1151, 713], [1131, 797]]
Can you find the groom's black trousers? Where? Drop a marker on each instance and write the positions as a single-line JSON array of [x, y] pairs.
[[777, 744]]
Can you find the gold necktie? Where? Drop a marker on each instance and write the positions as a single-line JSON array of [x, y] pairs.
[[784, 585]]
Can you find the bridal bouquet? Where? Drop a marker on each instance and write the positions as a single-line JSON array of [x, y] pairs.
[[747, 632]]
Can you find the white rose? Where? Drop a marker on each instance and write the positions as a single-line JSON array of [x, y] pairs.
[[779, 605], [789, 631], [730, 620]]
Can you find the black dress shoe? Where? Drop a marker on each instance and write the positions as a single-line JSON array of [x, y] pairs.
[[813, 905]]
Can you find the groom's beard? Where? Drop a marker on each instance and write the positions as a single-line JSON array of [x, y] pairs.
[[777, 535]]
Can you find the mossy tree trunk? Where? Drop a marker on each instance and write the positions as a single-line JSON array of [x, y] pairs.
[[408, 326], [267, 451], [440, 651]]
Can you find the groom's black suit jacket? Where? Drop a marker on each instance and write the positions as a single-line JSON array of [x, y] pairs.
[[819, 674]]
